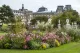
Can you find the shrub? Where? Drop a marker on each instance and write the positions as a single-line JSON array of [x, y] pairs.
[[4, 41], [57, 43], [1, 44], [17, 42], [50, 39], [25, 47], [33, 45], [33, 41], [45, 45], [17, 27], [45, 26], [63, 37], [28, 38], [74, 33], [34, 31], [4, 27], [7, 46]]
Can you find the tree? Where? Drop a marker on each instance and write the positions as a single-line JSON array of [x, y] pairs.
[[72, 15], [6, 14], [17, 26], [40, 19]]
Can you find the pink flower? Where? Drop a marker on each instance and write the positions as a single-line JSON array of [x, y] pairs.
[[37, 36], [25, 46], [28, 38], [49, 36]]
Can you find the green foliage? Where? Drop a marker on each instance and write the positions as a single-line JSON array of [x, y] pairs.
[[17, 42], [45, 45], [6, 14], [1, 44], [17, 27], [78, 22], [41, 33], [34, 31], [71, 15], [5, 41], [33, 45], [5, 27], [11, 41], [74, 33], [45, 26], [64, 36], [41, 26], [39, 18], [7, 46]]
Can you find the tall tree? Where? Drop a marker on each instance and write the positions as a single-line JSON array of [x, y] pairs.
[[6, 14]]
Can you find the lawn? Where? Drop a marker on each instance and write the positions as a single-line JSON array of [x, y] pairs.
[[2, 33], [67, 48]]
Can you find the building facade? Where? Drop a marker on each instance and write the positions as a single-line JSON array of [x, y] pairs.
[[43, 11], [26, 15]]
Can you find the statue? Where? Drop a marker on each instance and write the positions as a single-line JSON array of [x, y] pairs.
[[68, 26], [67, 21], [59, 25], [59, 21]]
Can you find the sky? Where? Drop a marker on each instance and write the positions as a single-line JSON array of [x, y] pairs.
[[33, 5]]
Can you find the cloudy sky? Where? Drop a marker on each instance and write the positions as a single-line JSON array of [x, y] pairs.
[[35, 4]]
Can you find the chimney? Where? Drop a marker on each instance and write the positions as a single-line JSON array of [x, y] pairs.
[[22, 7]]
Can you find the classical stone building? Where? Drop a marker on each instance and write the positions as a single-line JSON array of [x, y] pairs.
[[26, 15], [68, 7], [61, 9], [43, 11]]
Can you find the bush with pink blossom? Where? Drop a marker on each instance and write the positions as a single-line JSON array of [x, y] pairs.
[[42, 40]]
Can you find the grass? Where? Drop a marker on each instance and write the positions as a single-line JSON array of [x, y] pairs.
[[2, 33], [67, 48]]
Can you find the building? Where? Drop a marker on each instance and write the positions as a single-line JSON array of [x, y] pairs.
[[60, 9], [43, 11], [26, 15], [68, 7]]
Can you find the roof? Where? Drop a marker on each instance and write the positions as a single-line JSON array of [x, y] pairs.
[[45, 12], [42, 7]]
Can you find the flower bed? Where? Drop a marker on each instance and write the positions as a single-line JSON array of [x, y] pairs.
[[33, 40]]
